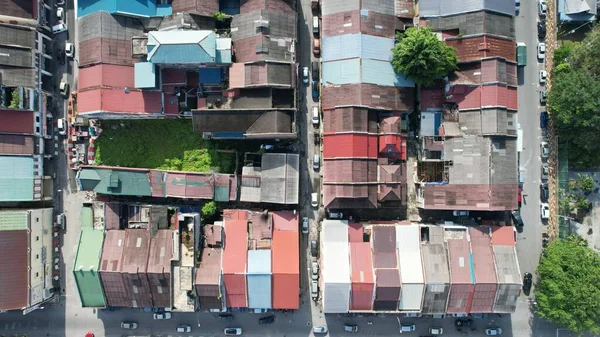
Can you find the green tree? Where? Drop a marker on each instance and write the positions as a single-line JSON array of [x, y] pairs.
[[220, 16], [585, 183], [15, 101], [562, 53], [209, 209], [568, 292], [422, 57], [575, 108]]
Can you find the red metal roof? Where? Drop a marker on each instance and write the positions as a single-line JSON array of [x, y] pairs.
[[173, 76], [235, 252], [136, 251], [362, 276], [340, 23], [235, 290], [16, 144], [286, 269], [503, 236], [486, 282], [461, 280], [190, 185], [285, 221], [115, 100], [350, 146], [355, 232], [16, 121], [498, 95], [106, 75], [13, 270], [475, 48], [392, 146]]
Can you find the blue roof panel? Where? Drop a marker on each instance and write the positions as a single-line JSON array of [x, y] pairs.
[[382, 73], [376, 48], [209, 75], [341, 47], [259, 290], [342, 72], [144, 75]]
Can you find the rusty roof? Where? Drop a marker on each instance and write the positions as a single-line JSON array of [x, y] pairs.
[[483, 46], [13, 271], [112, 215], [350, 146], [213, 235], [384, 239], [136, 251], [16, 121], [387, 285], [282, 6], [349, 196], [461, 263], [350, 171], [201, 7], [368, 95], [161, 252], [112, 251], [343, 119], [16, 144], [209, 271], [361, 263], [483, 255], [285, 221], [353, 22], [261, 226], [26, 9]]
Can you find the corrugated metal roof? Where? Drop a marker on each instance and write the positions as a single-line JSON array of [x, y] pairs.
[[381, 73], [409, 253], [357, 46], [286, 269], [279, 178], [461, 263], [349, 196], [285, 221], [16, 178], [235, 252], [336, 6], [235, 290], [136, 251], [336, 298], [117, 101], [161, 252], [209, 271], [355, 232], [349, 119], [106, 75], [14, 220], [362, 276], [411, 297], [13, 270], [384, 239], [429, 8], [435, 257], [503, 236], [16, 121], [507, 265], [380, 6], [349, 171], [347, 71], [478, 47], [336, 263], [182, 47], [334, 231], [483, 256], [20, 9], [387, 285], [350, 146], [87, 259], [102, 180], [259, 262], [201, 7], [112, 251], [259, 291], [368, 95]]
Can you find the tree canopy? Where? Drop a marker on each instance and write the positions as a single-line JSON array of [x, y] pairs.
[[574, 99], [422, 57], [209, 209], [568, 292]]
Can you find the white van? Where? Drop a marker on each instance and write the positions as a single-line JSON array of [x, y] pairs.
[[62, 126], [315, 24], [59, 28], [315, 115]]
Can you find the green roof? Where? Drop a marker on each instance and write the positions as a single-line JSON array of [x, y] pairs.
[[87, 217], [114, 182], [13, 220], [85, 269], [16, 178], [222, 193]]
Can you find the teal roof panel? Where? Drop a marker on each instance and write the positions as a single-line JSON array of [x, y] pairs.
[[114, 182], [16, 178], [342, 72], [145, 75], [182, 47], [85, 269]]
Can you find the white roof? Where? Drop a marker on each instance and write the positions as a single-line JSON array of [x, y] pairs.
[[336, 262], [336, 298], [335, 231], [411, 297], [180, 36], [408, 242]]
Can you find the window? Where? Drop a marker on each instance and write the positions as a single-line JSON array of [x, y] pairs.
[[37, 129], [37, 119], [37, 238], [37, 219], [37, 274], [37, 256]]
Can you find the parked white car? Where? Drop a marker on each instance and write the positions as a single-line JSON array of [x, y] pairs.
[[233, 331], [60, 13], [315, 115], [164, 315], [545, 209], [544, 150], [542, 8], [305, 75], [541, 51], [69, 50], [543, 76]]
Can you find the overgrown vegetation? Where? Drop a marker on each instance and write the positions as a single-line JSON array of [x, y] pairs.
[[575, 99], [209, 209], [422, 57], [568, 292], [15, 101], [160, 144]]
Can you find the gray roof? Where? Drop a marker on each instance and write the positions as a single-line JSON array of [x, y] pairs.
[[337, 6], [280, 25], [102, 24], [279, 178], [17, 70], [476, 23], [263, 98], [494, 121], [380, 6], [429, 8], [435, 257], [258, 121], [507, 266]]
